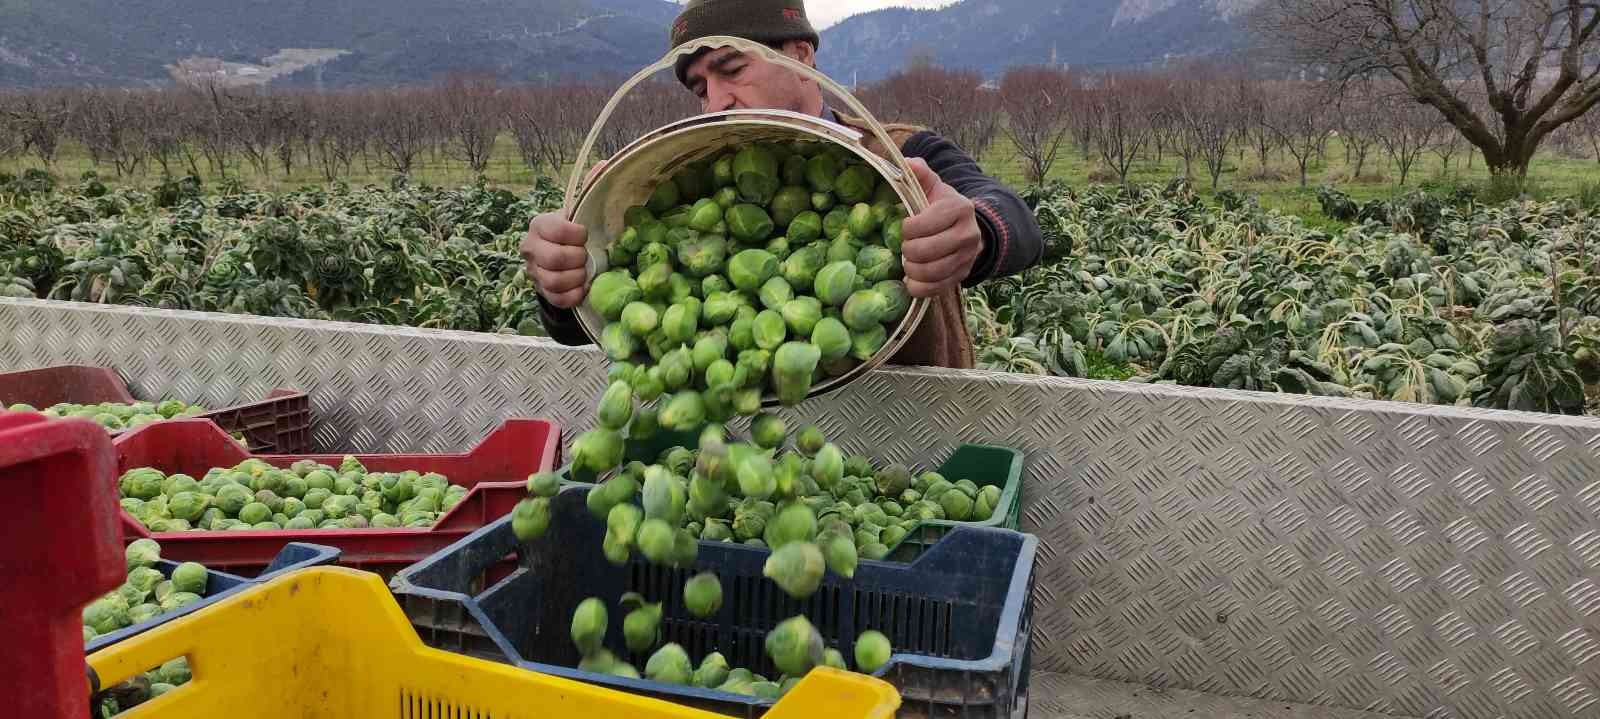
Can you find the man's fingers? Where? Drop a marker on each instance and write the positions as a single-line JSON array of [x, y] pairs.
[[925, 175], [942, 268], [932, 247], [554, 282], [936, 218], [918, 288], [551, 256], [565, 300], [554, 228]]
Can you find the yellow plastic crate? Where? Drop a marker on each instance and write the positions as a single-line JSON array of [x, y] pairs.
[[331, 642]]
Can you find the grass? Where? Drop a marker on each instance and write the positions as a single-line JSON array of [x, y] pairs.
[[1551, 175]]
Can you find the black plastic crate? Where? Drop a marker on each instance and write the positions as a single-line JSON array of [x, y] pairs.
[[959, 616]]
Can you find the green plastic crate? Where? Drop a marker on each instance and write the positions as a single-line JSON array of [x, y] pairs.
[[982, 463]]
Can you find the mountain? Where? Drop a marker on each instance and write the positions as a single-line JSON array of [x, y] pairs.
[[336, 42], [990, 35]]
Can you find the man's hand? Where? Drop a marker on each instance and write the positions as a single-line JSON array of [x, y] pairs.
[[553, 249], [939, 244]]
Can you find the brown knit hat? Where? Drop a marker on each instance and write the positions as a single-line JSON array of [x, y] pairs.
[[770, 22]]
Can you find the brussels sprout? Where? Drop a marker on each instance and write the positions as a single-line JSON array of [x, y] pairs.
[[775, 292], [187, 506], [866, 343], [769, 330], [768, 431], [641, 628], [636, 215], [677, 367], [794, 170], [722, 171], [802, 314], [663, 198], [891, 234], [719, 307], [821, 171], [838, 551], [822, 201], [801, 266], [725, 198], [835, 282], [805, 227], [719, 372], [755, 174], [854, 184], [652, 254], [602, 661], [872, 651], [680, 321], [143, 483], [752, 268], [789, 203], [877, 264], [589, 626], [957, 506], [669, 664], [865, 309], [617, 342], [831, 338], [860, 221], [837, 220], [190, 577], [701, 257], [655, 540], [713, 669], [704, 215], [530, 518], [702, 595], [685, 411], [795, 646], [749, 223], [844, 247], [611, 291], [142, 553], [794, 523], [797, 568], [597, 450]]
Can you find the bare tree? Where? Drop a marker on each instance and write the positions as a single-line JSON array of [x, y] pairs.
[[1124, 120], [1358, 117], [403, 128], [110, 126], [1536, 62], [1297, 113], [40, 119], [647, 106], [469, 108], [1589, 127], [339, 127], [1445, 145], [951, 102], [1256, 132], [1209, 109], [1407, 129], [1034, 99], [549, 123]]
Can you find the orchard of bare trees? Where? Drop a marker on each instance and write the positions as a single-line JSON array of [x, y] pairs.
[[1205, 119]]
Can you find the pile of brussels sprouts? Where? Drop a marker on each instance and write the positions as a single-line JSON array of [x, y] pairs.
[[762, 270], [254, 495], [117, 415], [146, 594]]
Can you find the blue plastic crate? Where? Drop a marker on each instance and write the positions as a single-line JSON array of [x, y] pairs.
[[220, 585], [959, 616]]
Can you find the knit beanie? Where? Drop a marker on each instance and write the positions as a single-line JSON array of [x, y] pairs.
[[769, 22]]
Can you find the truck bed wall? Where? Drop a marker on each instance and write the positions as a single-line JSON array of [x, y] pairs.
[[1428, 561]]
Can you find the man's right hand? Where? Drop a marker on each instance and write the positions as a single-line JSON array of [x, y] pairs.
[[553, 249]]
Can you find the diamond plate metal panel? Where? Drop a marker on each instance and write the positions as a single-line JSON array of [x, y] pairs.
[[1425, 561]]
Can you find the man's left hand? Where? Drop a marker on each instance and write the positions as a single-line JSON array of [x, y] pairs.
[[939, 244]]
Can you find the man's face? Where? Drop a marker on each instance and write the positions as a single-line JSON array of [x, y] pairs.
[[726, 79]]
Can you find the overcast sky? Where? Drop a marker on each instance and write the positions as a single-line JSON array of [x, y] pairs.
[[827, 12]]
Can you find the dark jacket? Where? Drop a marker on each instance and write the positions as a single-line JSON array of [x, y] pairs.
[[1011, 238]]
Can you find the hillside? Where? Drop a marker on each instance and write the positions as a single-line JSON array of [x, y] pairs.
[[989, 35], [46, 42]]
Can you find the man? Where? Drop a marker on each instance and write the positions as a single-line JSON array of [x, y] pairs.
[[974, 228]]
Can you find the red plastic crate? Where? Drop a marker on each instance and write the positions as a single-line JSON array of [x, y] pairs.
[[495, 471], [279, 423], [57, 556]]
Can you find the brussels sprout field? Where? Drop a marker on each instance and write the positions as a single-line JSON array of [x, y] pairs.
[[1150, 284], [254, 495]]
